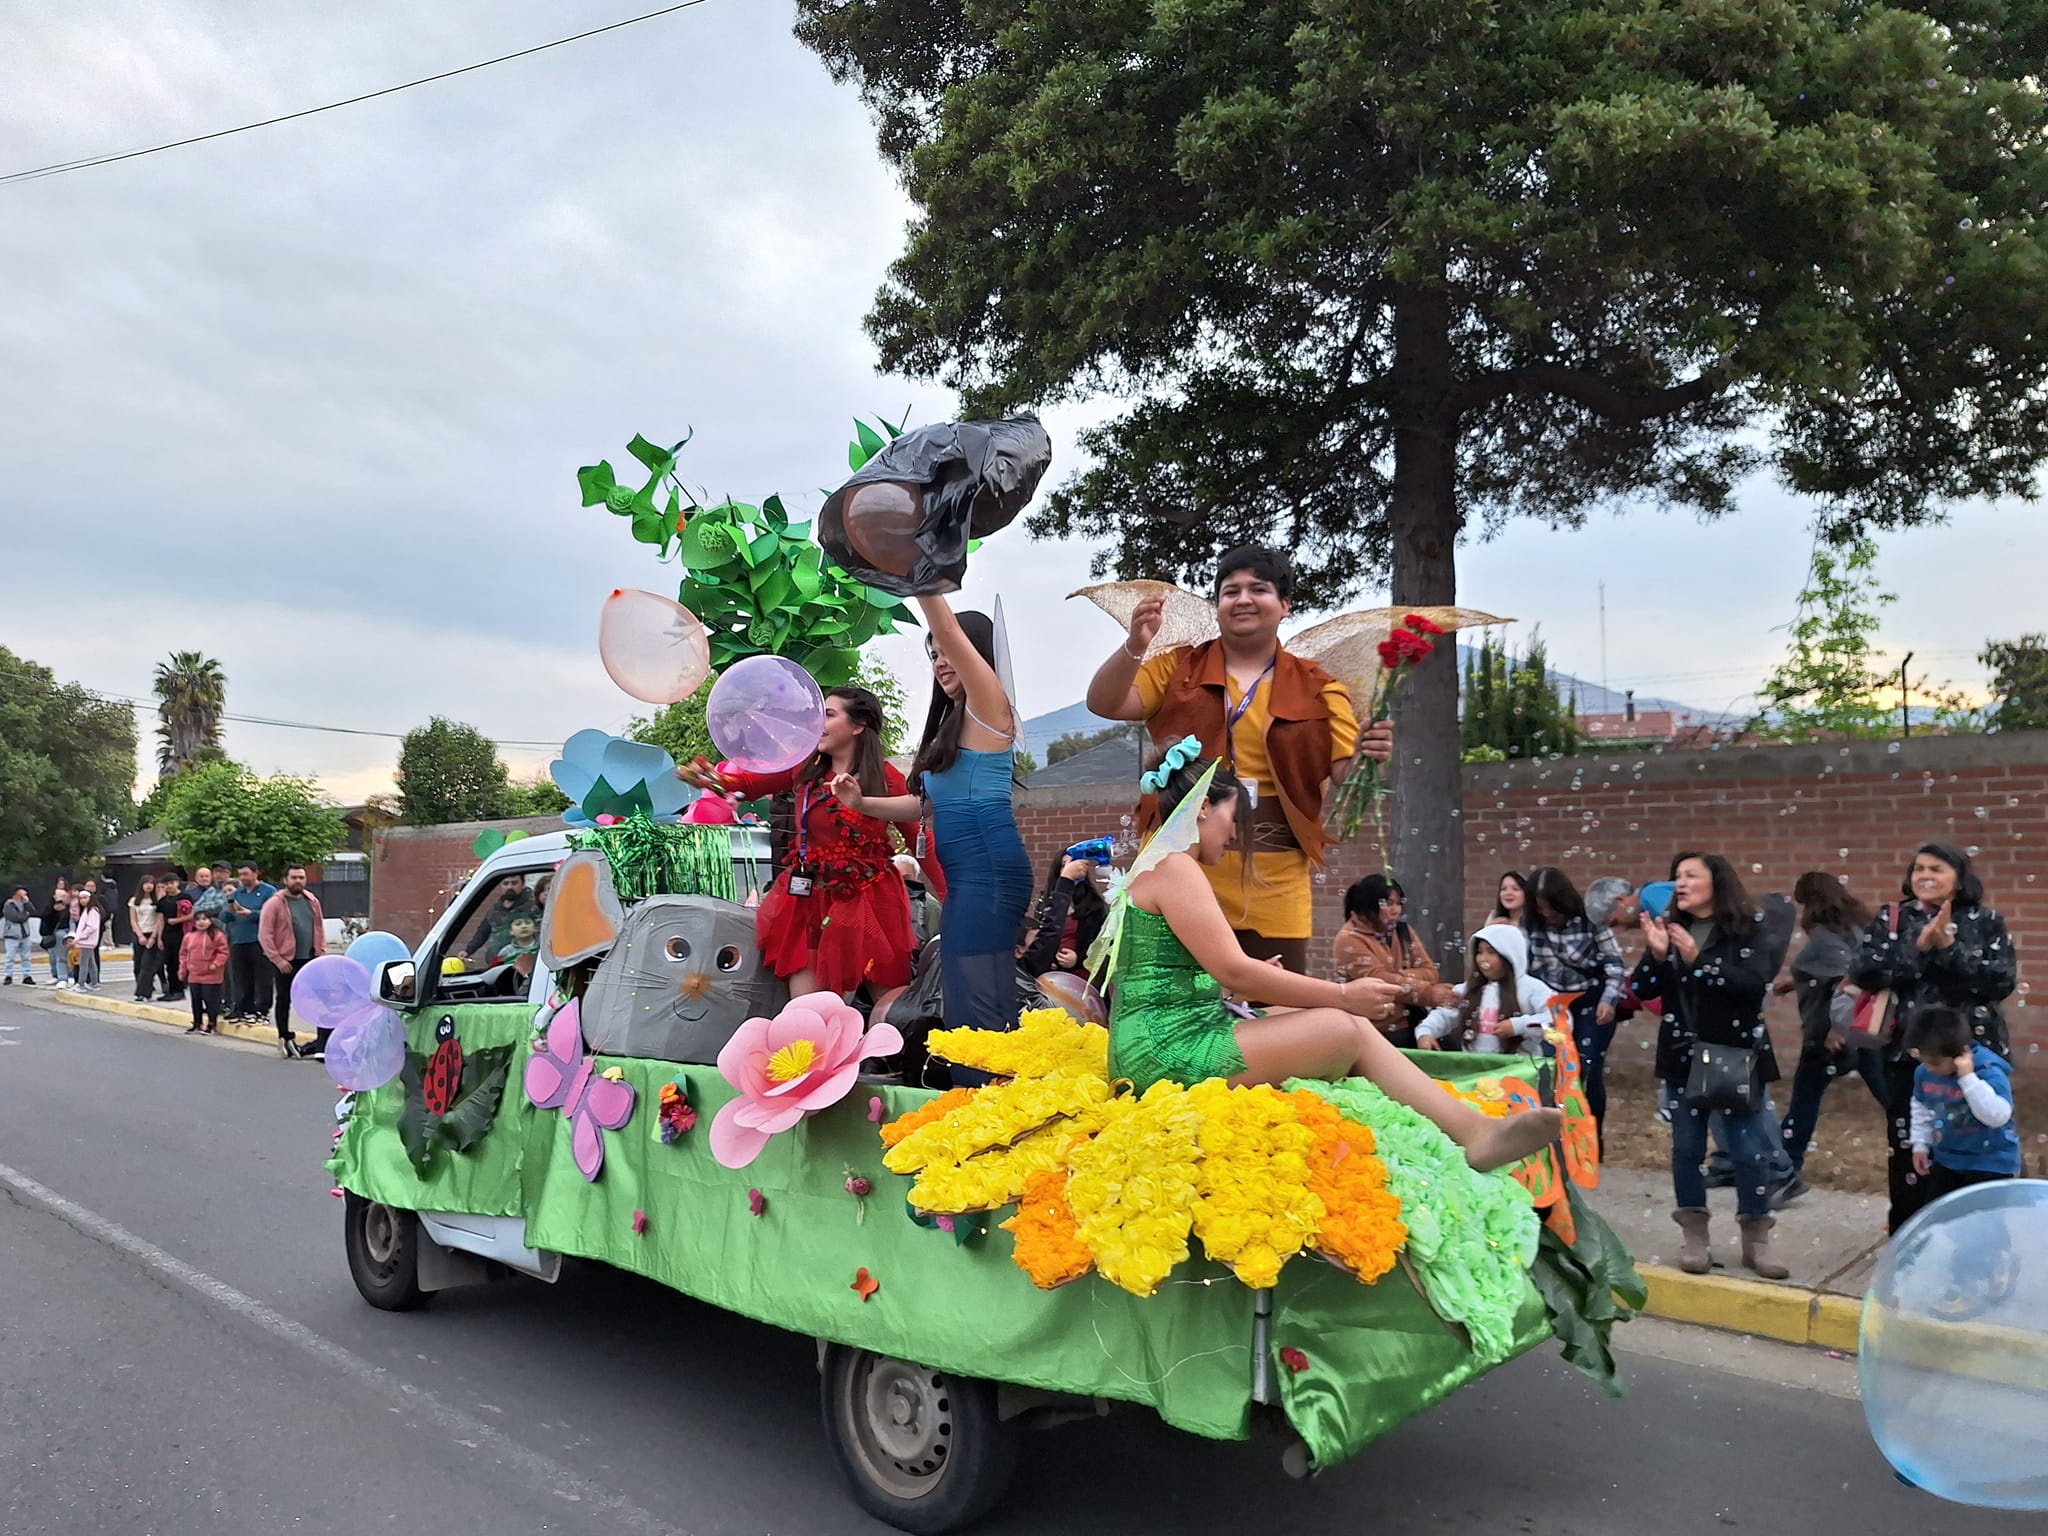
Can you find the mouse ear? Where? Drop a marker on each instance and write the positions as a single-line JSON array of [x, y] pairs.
[[583, 915]]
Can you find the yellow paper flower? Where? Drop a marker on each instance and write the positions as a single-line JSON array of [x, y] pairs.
[[1254, 1207], [996, 1117], [1132, 1189], [1045, 1041], [1361, 1230], [1048, 1240], [999, 1176]]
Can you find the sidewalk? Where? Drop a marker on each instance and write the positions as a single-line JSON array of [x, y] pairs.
[[1829, 1241], [117, 995]]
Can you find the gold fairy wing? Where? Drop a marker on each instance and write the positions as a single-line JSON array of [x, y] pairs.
[[1189, 620], [1347, 647]]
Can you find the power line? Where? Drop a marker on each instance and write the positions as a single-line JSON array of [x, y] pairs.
[[302, 725], [39, 172]]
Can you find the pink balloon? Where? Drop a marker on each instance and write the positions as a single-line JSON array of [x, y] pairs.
[[765, 714], [653, 647]]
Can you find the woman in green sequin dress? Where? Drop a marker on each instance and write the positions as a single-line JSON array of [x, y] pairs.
[[1168, 1022]]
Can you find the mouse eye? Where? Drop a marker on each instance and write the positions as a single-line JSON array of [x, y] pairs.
[[729, 959], [677, 948]]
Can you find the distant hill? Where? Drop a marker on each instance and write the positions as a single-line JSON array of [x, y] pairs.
[[1041, 731]]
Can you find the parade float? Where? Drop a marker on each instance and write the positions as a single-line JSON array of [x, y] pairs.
[[1311, 1261]]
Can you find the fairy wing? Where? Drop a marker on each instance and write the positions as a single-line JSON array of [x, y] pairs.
[[551, 1071], [1174, 834], [1347, 647], [1189, 620]]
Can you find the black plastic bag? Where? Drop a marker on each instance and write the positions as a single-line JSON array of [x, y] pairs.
[[902, 523]]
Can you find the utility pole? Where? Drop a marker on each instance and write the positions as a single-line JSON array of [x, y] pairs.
[[1605, 704], [1905, 715]]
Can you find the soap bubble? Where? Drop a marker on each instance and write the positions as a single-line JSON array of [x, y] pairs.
[[1953, 1350]]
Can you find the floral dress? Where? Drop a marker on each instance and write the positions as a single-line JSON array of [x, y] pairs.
[[854, 926]]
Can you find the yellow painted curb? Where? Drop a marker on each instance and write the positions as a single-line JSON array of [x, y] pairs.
[[170, 1018], [1784, 1312]]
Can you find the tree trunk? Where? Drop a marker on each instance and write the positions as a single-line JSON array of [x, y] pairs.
[[1426, 851]]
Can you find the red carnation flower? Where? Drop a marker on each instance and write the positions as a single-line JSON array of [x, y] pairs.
[[1294, 1360], [1422, 626]]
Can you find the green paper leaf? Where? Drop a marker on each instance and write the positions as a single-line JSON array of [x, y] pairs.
[[516, 835], [856, 457], [773, 511], [487, 842], [805, 575], [659, 460], [832, 668], [470, 1117], [893, 431], [648, 527], [797, 531], [596, 481], [870, 439], [414, 1129], [774, 588], [763, 547]]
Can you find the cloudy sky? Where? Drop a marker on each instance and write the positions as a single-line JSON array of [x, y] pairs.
[[311, 399]]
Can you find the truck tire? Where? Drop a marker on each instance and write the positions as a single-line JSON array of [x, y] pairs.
[[383, 1253], [921, 1450]]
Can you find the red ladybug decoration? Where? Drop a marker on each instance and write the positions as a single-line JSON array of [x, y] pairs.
[[443, 1078]]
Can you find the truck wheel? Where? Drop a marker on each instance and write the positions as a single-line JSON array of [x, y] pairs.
[[383, 1253], [922, 1450]]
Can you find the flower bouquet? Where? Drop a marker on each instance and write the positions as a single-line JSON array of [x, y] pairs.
[[1365, 787]]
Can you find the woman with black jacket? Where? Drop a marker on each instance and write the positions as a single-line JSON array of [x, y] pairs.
[[1833, 922], [1069, 917], [1707, 962], [1940, 944]]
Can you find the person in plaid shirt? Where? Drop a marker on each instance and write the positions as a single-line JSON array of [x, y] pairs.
[[1568, 952]]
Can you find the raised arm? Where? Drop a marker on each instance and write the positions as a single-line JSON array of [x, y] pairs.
[[989, 726], [1113, 691]]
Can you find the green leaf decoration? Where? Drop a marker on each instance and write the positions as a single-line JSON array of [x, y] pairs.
[[596, 482], [487, 842], [777, 516], [658, 460], [516, 835], [415, 1125], [470, 1117]]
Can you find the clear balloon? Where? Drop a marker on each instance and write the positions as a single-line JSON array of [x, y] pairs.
[[332, 990], [366, 1052], [377, 948], [1953, 1353], [652, 646], [1063, 989], [765, 714]]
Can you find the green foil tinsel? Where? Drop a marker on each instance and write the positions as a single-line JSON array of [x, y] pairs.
[[651, 857]]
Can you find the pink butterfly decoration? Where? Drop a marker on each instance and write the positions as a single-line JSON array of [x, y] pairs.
[[559, 1076]]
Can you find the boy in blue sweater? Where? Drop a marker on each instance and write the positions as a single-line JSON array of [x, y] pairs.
[[1962, 1128]]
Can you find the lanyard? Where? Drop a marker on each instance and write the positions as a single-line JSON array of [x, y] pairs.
[[1237, 714], [803, 823]]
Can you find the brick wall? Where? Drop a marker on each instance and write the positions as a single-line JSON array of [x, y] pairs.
[[416, 871], [1856, 809]]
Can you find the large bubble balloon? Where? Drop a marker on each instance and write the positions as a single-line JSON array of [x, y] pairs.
[[765, 714], [377, 948], [652, 646], [1063, 989], [330, 991], [367, 1052], [1953, 1354]]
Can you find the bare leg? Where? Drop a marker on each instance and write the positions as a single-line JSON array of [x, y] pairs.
[[1329, 1043], [880, 1012], [803, 982], [1488, 1143]]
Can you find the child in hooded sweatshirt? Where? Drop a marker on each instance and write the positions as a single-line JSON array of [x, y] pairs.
[[1962, 1128], [1508, 1012]]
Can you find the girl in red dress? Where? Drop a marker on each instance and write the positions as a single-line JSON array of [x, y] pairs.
[[838, 915]]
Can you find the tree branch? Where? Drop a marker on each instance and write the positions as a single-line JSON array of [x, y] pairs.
[[1626, 407]]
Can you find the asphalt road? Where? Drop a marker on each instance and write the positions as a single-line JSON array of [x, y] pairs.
[[181, 1351]]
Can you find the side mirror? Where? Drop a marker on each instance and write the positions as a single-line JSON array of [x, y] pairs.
[[397, 980]]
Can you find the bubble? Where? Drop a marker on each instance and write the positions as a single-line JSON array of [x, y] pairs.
[[1891, 746], [1966, 224], [1952, 1317], [1756, 869], [1841, 853], [1543, 799], [1971, 850], [1632, 826]]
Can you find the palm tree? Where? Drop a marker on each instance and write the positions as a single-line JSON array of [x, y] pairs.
[[192, 694]]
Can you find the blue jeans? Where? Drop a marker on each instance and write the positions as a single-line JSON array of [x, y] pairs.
[[60, 967], [1752, 1139], [1723, 1160], [17, 951]]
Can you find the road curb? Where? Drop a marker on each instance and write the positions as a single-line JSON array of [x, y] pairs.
[[170, 1018], [1788, 1313]]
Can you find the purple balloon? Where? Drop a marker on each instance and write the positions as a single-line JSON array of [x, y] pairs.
[[330, 990], [366, 1051], [765, 714]]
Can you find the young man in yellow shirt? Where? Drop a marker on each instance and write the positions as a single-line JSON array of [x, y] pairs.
[[1281, 723]]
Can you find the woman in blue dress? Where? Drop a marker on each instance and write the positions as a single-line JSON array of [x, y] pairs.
[[964, 769]]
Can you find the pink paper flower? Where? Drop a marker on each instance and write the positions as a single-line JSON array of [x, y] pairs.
[[803, 1060], [639, 1222], [756, 1202]]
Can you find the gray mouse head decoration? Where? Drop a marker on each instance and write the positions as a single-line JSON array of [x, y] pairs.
[[679, 974]]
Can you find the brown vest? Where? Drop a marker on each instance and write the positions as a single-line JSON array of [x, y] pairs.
[[1297, 730]]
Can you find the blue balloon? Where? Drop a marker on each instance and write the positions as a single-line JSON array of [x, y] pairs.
[[377, 948], [1953, 1349]]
